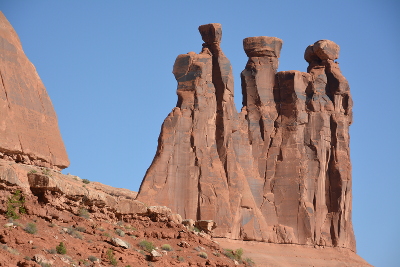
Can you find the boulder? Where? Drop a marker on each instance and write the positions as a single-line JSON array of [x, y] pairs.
[[155, 255], [119, 242]]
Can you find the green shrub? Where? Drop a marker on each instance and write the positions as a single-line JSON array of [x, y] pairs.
[[80, 229], [249, 261], [111, 258], [32, 171], [166, 247], [234, 255], [146, 245], [92, 258], [119, 232], [72, 232], [203, 255], [52, 251], [85, 181], [46, 171], [195, 229], [216, 253], [84, 213], [61, 249], [181, 259], [17, 200], [31, 228]]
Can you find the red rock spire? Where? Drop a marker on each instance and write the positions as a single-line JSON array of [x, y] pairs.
[[279, 171]]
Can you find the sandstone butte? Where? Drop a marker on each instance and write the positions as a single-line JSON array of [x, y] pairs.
[[28, 124], [279, 171]]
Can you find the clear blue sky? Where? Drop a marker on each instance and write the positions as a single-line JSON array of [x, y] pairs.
[[107, 67]]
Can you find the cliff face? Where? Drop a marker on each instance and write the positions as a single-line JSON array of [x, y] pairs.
[[279, 171], [28, 123]]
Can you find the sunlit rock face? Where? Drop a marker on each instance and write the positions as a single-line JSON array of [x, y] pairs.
[[279, 171], [29, 130]]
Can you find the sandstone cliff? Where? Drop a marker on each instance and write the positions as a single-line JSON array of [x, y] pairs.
[[279, 171], [29, 128]]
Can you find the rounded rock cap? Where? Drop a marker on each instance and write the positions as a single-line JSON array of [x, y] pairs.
[[323, 50], [211, 33], [262, 46]]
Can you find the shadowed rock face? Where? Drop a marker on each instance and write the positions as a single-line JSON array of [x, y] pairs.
[[28, 124], [279, 171]]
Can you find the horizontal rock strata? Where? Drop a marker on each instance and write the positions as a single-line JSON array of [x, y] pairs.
[[29, 129], [279, 171]]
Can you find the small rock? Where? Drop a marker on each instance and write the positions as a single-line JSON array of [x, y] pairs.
[[155, 255], [235, 262], [119, 242], [30, 242], [8, 225], [184, 244], [39, 258]]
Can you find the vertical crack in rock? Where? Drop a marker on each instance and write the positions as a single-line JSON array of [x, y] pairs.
[[279, 171], [5, 90]]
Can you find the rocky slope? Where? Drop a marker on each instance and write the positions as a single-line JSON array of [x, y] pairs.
[[29, 127], [279, 171], [98, 225]]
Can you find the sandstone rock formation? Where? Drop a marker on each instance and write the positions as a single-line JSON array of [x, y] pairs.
[[29, 129], [279, 171]]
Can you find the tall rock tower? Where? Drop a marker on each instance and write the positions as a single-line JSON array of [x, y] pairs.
[[279, 171], [28, 123]]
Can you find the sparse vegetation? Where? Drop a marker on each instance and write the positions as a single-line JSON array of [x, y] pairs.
[[85, 181], [181, 259], [74, 233], [32, 171], [46, 171], [44, 264], [61, 249], [249, 261], [80, 229], [52, 251], [234, 255], [119, 232], [9, 249], [16, 201], [107, 235], [92, 258], [195, 229], [111, 258], [84, 213], [166, 247], [203, 255], [216, 253], [146, 245], [31, 228]]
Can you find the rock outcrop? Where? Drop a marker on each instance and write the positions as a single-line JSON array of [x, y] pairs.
[[279, 171], [28, 124]]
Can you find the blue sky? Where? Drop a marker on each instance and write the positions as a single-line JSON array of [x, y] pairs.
[[107, 68]]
